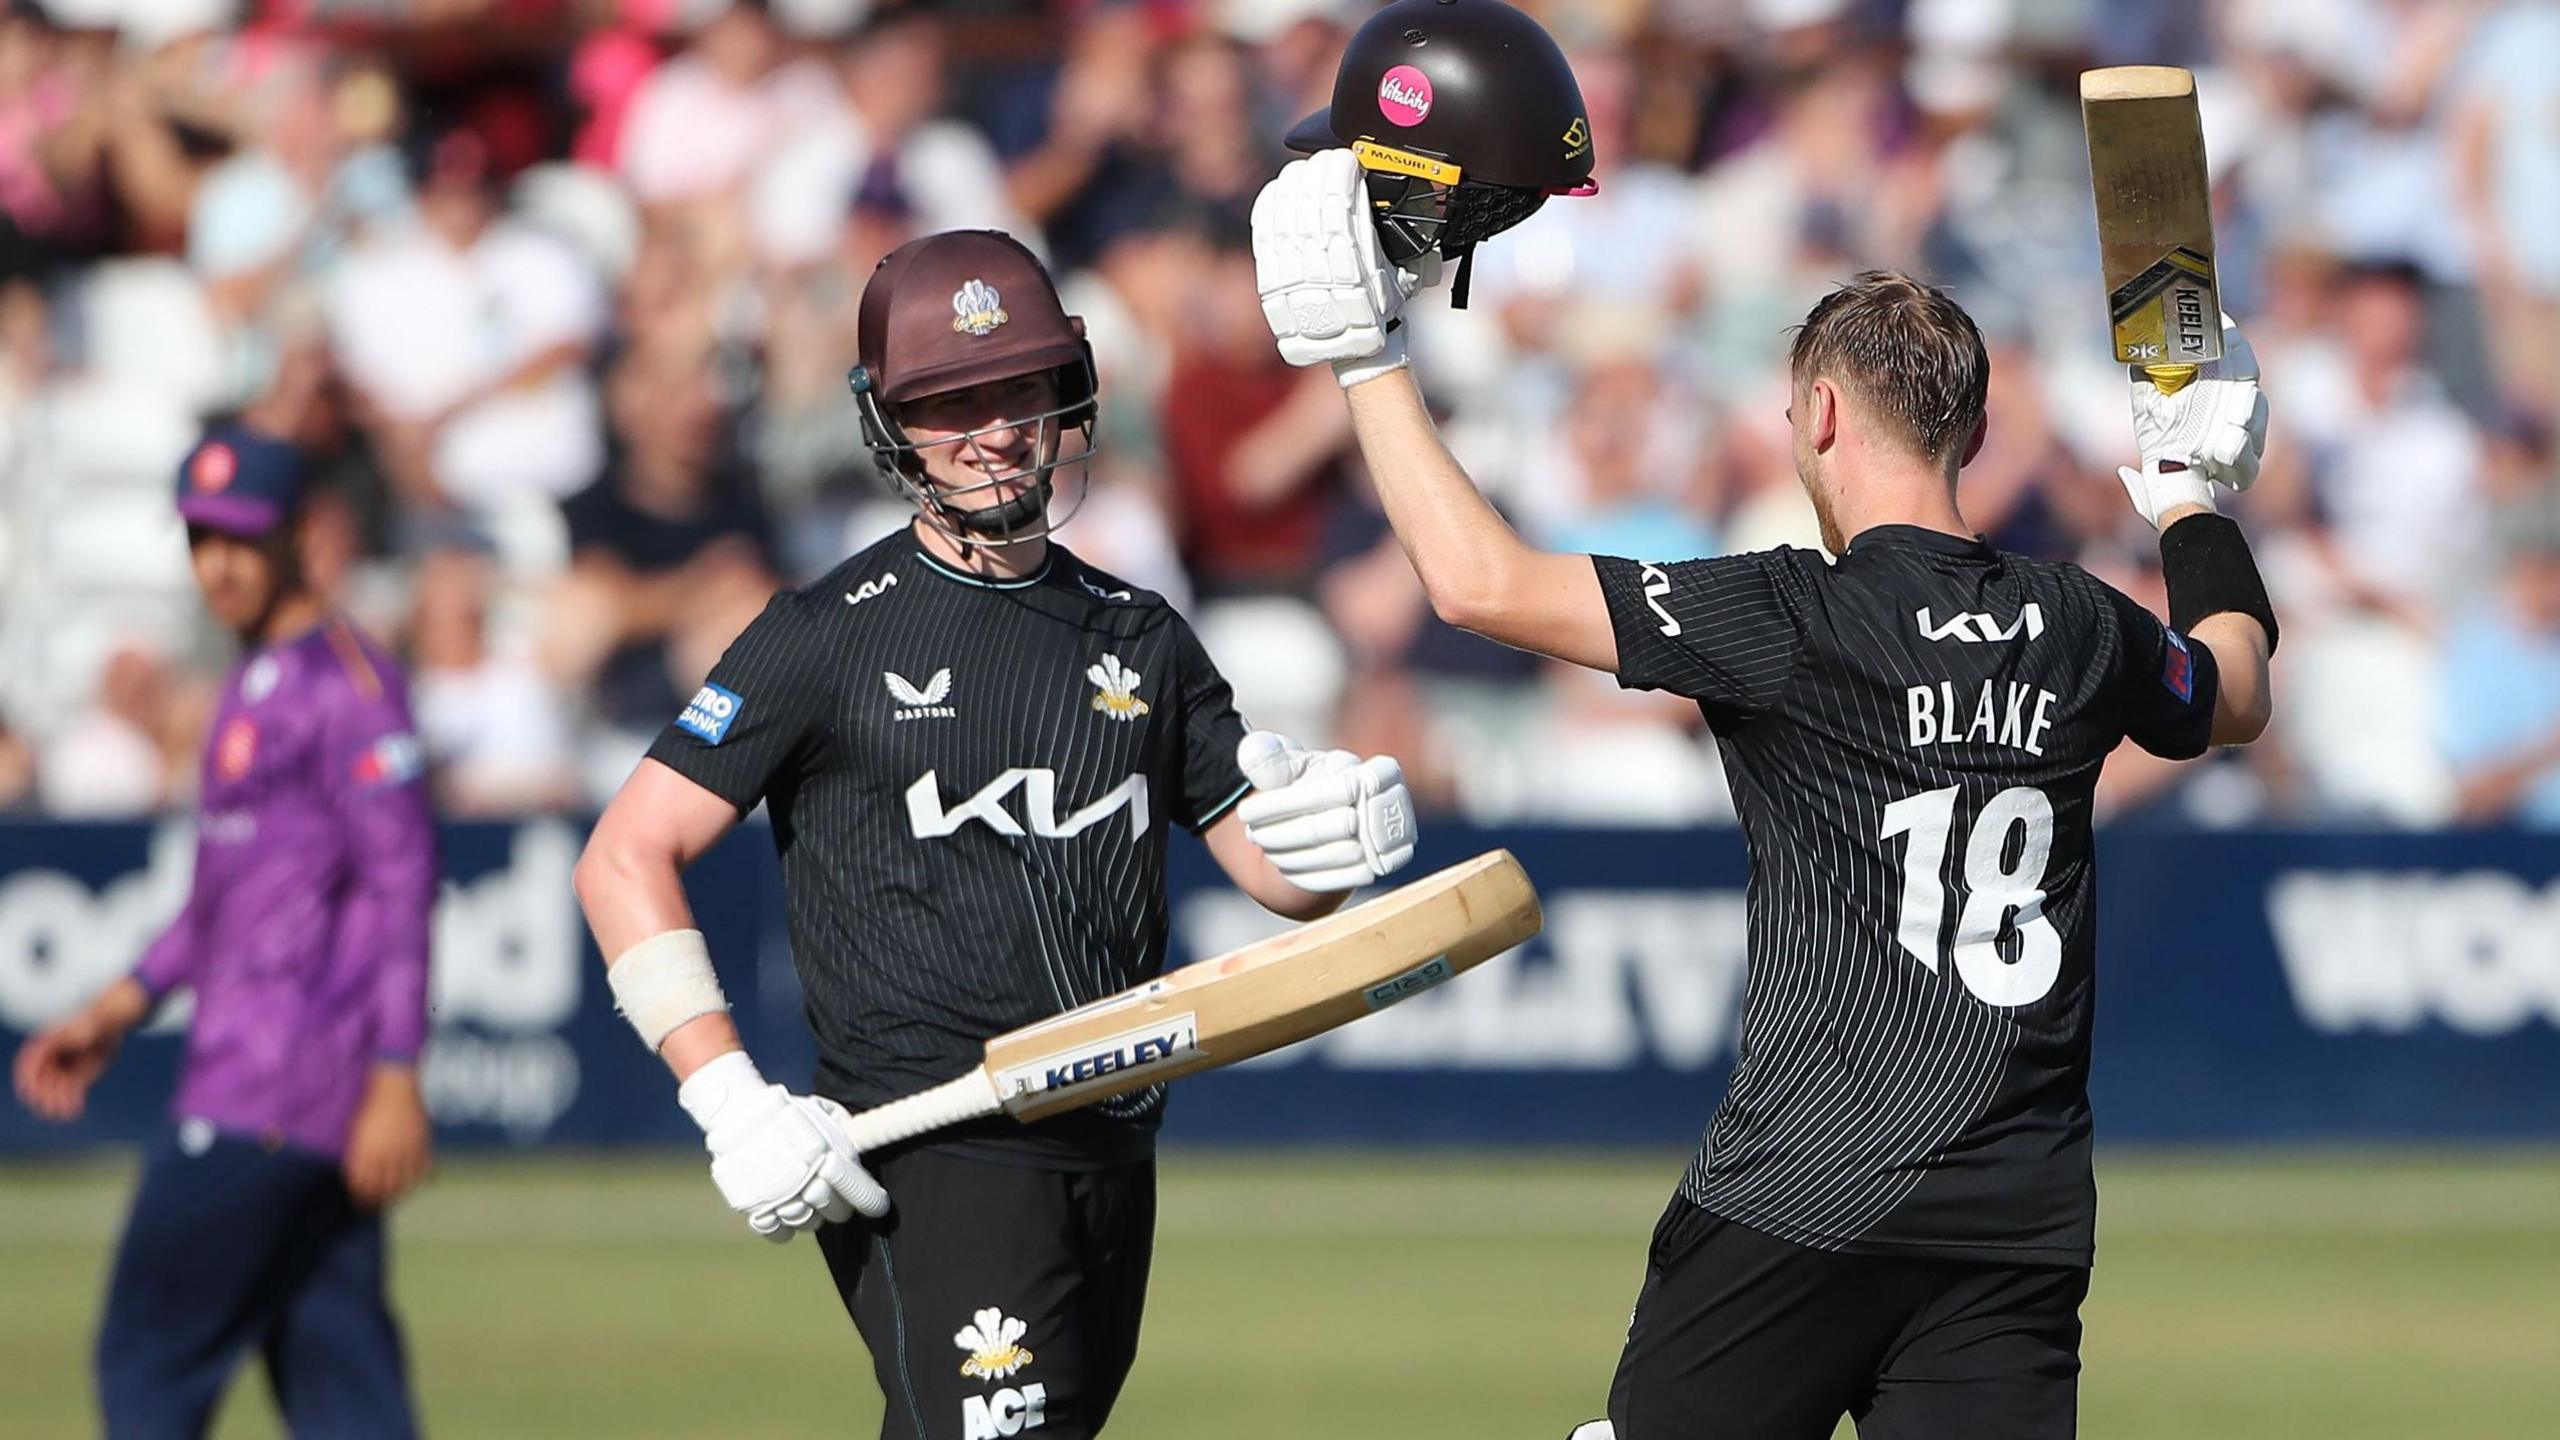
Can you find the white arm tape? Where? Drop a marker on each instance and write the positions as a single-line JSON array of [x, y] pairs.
[[664, 981]]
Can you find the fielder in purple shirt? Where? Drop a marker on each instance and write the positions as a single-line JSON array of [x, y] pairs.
[[304, 939]]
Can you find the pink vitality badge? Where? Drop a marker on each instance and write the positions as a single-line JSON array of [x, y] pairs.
[[1404, 96]]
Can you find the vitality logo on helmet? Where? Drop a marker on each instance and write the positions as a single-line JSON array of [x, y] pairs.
[[1404, 96]]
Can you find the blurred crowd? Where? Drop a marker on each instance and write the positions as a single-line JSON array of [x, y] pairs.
[[557, 296]]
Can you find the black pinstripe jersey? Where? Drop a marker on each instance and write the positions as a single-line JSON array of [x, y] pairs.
[[969, 783], [1912, 737]]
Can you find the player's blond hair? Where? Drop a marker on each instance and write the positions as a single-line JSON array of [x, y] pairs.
[[1906, 349]]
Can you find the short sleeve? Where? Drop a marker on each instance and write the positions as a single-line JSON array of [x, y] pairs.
[[761, 714], [1724, 632], [1212, 782], [2164, 682]]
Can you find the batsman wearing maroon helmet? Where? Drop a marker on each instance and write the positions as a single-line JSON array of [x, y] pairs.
[[971, 745]]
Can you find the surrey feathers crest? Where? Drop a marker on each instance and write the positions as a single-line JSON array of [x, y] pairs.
[[994, 1342], [1115, 689], [976, 309]]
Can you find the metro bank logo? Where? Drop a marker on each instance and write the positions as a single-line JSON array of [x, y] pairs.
[[708, 716]]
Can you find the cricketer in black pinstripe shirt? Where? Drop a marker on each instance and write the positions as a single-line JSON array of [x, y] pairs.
[[1913, 737], [970, 781], [971, 746], [1891, 1215]]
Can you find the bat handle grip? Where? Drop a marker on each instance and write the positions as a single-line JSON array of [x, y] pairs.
[[2170, 378], [953, 1101]]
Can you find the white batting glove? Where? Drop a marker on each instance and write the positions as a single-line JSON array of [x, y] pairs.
[[1328, 819], [2212, 431], [780, 1160], [1327, 292]]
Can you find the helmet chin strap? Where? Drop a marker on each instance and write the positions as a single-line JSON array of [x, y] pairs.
[[1023, 515], [1013, 521], [1002, 524]]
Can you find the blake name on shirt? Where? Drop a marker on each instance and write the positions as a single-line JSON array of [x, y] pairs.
[[2006, 712]]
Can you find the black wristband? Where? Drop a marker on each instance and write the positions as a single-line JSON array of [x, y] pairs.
[[2207, 563]]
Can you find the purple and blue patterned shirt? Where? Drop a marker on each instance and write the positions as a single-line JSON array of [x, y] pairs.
[[304, 936]]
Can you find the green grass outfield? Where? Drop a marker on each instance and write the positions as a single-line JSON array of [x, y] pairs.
[[2335, 1296]]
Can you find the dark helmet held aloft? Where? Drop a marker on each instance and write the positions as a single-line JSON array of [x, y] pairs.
[[950, 311], [1465, 117]]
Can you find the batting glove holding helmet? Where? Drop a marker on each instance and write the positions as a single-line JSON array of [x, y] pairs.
[[1327, 292]]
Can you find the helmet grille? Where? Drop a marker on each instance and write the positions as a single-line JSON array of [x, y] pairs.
[[1479, 211], [1416, 217]]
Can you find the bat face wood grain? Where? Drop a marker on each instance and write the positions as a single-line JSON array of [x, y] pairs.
[[2155, 214], [1300, 983]]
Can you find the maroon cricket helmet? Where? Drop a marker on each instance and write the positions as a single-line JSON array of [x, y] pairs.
[[951, 310], [960, 308]]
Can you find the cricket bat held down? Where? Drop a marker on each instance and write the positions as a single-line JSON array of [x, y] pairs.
[[1275, 992]]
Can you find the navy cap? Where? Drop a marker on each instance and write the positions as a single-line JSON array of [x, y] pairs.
[[239, 481]]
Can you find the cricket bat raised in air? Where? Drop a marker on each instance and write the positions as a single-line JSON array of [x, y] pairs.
[[2155, 218], [1299, 983]]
